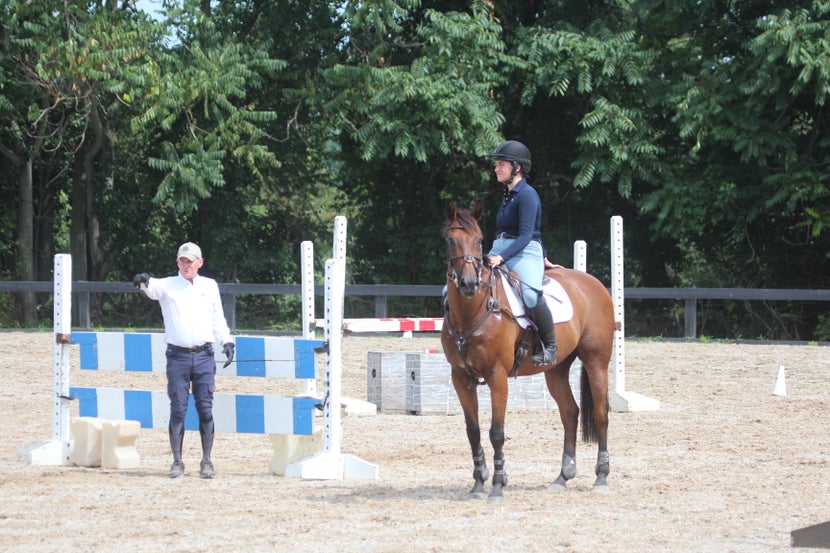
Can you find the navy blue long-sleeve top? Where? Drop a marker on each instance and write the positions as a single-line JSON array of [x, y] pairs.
[[520, 215]]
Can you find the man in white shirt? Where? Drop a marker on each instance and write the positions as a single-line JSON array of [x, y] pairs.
[[193, 320]]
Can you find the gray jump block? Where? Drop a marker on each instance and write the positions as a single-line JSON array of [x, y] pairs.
[[419, 383]]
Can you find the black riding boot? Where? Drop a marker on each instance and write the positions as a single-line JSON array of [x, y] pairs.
[[176, 432], [206, 466], [544, 322], [206, 431]]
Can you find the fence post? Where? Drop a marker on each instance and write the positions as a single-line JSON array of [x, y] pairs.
[[229, 307], [690, 317], [380, 307], [83, 309]]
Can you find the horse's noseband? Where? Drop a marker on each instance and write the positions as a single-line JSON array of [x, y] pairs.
[[477, 261]]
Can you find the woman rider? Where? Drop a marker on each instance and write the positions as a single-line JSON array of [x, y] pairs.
[[519, 239]]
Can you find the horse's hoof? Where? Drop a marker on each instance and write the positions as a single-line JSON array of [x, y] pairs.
[[495, 498], [600, 485], [475, 496], [557, 487], [560, 481]]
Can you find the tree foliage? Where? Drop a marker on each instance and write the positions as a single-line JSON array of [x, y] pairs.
[[247, 126]]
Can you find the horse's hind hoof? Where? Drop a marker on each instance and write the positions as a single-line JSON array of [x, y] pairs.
[[495, 498], [475, 496]]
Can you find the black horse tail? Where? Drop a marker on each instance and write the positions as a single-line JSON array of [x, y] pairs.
[[589, 427]]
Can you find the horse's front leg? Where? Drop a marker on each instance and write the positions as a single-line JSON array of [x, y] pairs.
[[498, 395], [465, 388]]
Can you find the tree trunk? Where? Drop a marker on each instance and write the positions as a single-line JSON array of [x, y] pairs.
[[25, 242], [84, 233], [93, 230], [25, 269]]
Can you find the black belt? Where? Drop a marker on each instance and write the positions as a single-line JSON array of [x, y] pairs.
[[513, 237], [195, 349]]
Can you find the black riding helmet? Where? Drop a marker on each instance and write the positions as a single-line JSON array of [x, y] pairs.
[[514, 151]]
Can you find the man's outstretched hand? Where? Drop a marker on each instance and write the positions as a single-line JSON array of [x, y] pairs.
[[228, 350], [141, 278]]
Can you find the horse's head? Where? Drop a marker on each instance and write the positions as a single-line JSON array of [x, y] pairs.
[[464, 248]]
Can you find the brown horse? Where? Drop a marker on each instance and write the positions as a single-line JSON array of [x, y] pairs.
[[484, 344]]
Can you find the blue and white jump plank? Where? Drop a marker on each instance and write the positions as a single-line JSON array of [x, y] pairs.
[[250, 414], [266, 356]]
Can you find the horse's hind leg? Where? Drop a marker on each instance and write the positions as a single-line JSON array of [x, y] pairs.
[[468, 397], [560, 388], [594, 386]]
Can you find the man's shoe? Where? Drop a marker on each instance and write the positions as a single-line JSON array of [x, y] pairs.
[[206, 469], [176, 470]]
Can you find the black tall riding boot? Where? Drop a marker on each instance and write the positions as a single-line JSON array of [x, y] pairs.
[[206, 466], [544, 322], [206, 432], [176, 434]]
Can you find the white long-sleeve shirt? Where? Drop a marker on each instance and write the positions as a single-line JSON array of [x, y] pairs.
[[192, 312]]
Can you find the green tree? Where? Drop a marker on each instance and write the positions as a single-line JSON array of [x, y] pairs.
[[415, 93]]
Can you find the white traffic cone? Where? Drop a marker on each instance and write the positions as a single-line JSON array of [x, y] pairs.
[[780, 383]]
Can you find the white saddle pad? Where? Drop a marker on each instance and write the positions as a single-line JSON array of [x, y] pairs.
[[555, 296]]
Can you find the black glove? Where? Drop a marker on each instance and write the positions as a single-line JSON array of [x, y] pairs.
[[228, 350], [141, 278]]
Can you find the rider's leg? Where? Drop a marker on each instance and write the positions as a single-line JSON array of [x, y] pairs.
[[544, 322], [530, 266]]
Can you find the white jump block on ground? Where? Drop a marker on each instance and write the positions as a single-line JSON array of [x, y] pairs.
[[118, 444], [289, 448], [86, 436]]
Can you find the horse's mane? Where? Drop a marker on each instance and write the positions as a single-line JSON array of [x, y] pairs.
[[466, 220]]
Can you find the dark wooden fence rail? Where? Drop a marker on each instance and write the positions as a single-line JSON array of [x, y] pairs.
[[82, 289]]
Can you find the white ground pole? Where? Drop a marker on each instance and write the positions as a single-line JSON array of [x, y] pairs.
[[307, 284], [620, 400], [331, 464], [56, 451]]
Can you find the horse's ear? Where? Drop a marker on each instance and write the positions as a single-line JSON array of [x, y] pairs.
[[478, 209], [452, 210]]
